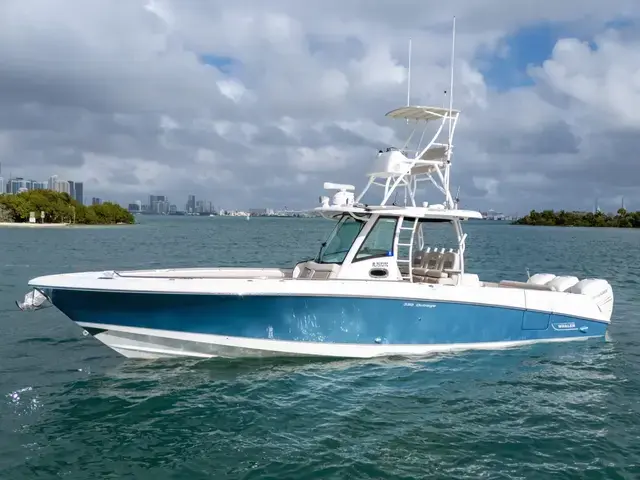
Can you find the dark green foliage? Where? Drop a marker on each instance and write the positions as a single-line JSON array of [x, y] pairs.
[[61, 208], [622, 219]]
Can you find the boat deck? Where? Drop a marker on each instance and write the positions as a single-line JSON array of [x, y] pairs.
[[208, 273], [234, 273]]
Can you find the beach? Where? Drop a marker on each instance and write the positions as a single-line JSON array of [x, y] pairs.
[[33, 225]]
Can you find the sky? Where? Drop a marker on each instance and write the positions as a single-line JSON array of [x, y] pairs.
[[257, 104]]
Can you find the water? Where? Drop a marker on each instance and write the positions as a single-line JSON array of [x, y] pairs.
[[72, 408]]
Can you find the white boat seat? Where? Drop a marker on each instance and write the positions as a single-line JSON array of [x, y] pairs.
[[439, 281], [426, 272], [430, 266], [418, 258], [450, 262], [438, 267], [318, 271], [431, 261]]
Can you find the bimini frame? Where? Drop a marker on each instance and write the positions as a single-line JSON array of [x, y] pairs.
[[405, 168]]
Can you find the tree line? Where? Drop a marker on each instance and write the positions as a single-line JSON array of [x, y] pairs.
[[622, 219], [59, 207]]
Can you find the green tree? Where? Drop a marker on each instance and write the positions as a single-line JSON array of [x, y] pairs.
[[61, 208], [622, 219]]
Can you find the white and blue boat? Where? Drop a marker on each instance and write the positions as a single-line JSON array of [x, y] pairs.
[[379, 285]]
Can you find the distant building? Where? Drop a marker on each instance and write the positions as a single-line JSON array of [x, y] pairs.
[[493, 215], [133, 208], [16, 184], [20, 184], [191, 204], [96, 201], [79, 193], [158, 204], [201, 207], [58, 186]]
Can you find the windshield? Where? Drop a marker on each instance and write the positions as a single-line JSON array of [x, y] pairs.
[[379, 241], [335, 249]]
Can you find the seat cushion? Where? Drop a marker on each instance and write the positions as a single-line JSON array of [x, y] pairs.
[[424, 272]]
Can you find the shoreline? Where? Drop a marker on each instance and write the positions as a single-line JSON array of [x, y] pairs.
[[58, 225], [33, 225], [617, 227]]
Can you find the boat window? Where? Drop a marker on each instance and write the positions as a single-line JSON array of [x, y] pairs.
[[379, 241], [335, 249]]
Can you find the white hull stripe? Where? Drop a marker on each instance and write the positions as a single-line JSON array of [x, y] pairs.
[[148, 343]]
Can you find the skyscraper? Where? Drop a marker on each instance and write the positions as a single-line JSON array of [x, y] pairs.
[[191, 203], [158, 204], [16, 185], [79, 196]]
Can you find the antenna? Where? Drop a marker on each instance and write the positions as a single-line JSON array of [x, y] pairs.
[[453, 51], [450, 139], [409, 77]]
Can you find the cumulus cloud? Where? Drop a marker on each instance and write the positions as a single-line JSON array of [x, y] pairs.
[[259, 103]]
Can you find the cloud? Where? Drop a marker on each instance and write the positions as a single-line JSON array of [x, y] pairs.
[[259, 103]]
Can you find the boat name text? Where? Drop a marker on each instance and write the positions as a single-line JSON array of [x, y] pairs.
[[422, 305]]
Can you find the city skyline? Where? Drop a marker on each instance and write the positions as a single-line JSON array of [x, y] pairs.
[[157, 204], [160, 204], [17, 184]]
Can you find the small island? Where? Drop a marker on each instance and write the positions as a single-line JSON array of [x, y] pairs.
[[59, 208], [622, 219]]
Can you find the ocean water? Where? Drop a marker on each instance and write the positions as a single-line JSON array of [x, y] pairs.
[[71, 408]]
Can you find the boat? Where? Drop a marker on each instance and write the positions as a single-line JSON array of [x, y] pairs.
[[382, 284], [377, 287]]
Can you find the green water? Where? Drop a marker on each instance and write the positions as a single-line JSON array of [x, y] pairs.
[[71, 408]]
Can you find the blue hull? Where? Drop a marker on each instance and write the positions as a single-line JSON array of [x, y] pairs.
[[347, 320]]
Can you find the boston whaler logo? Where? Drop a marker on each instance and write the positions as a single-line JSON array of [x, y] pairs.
[[564, 326]]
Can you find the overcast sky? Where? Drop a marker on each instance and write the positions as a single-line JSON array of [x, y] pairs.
[[254, 103]]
